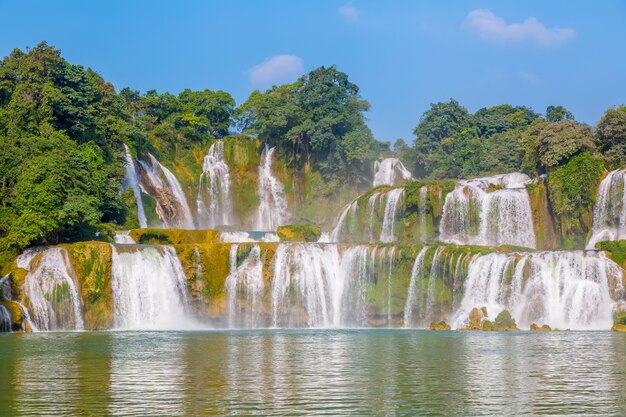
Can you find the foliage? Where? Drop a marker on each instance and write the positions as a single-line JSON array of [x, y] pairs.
[[611, 131], [558, 114], [315, 122], [299, 233]]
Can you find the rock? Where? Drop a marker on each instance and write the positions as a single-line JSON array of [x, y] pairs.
[[439, 325], [475, 320], [174, 236], [505, 322], [536, 328], [299, 233], [619, 328]]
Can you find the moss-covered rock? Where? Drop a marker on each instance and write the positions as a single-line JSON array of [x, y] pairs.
[[474, 320], [17, 315], [545, 230], [535, 328], [174, 236], [619, 328], [615, 249], [299, 233], [439, 326], [92, 261]]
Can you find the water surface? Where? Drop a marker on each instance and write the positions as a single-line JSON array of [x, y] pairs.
[[313, 372]]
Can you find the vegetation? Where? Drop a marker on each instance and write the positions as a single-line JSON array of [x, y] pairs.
[[299, 233]]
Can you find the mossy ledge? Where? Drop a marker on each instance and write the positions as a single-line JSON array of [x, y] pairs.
[[299, 233], [174, 236]]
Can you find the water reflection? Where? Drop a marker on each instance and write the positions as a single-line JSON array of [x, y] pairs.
[[312, 372]]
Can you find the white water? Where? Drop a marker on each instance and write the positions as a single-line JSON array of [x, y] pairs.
[[472, 214], [609, 213], [123, 237], [149, 290], [389, 217], [5, 319], [244, 289], [566, 290], [51, 293], [412, 297], [172, 206], [390, 171], [241, 237], [214, 187], [132, 182], [272, 210], [350, 209]]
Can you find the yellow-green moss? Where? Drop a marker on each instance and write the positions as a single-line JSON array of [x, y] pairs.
[[299, 233], [91, 261], [545, 230], [17, 315]]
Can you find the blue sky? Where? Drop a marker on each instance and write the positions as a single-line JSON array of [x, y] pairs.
[[402, 54]]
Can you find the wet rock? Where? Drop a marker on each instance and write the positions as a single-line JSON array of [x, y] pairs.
[[439, 325], [535, 328]]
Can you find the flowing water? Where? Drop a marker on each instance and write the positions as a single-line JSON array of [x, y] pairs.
[[609, 213], [490, 211], [244, 289], [313, 372], [149, 289], [389, 217], [390, 171], [272, 210], [131, 181], [171, 203], [214, 203], [5, 319], [51, 293]]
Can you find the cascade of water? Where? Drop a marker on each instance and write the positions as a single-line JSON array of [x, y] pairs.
[[561, 289], [351, 209], [389, 218], [371, 214], [5, 319], [416, 274], [171, 203], [51, 292], [244, 289], [122, 237], [131, 181], [273, 204], [305, 285], [474, 215], [148, 286], [609, 212], [215, 186], [242, 237], [390, 171]]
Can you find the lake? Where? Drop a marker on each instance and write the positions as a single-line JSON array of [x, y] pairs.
[[313, 372]]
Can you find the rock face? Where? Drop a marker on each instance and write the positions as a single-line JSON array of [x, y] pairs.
[[475, 320], [619, 328], [299, 233], [503, 323], [174, 236]]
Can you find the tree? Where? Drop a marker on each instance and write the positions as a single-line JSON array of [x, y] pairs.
[[611, 133], [437, 125], [558, 114]]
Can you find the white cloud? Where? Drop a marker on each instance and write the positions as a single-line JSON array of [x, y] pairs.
[[493, 28], [349, 13], [278, 68]]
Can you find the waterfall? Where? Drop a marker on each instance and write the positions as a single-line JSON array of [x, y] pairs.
[[122, 237], [609, 212], [273, 204], [171, 202], [390, 171], [416, 273], [214, 186], [132, 182], [350, 209], [51, 293], [5, 319], [241, 237], [567, 290], [389, 218], [244, 289], [148, 287], [491, 211]]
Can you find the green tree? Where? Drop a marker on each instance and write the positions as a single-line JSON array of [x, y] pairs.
[[611, 132], [558, 114]]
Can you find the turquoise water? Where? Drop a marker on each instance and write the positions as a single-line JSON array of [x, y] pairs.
[[313, 372]]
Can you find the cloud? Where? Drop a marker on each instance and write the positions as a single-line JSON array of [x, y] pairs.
[[349, 13], [276, 69], [495, 29]]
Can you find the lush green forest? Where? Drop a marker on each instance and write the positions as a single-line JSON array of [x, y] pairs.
[[62, 128]]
